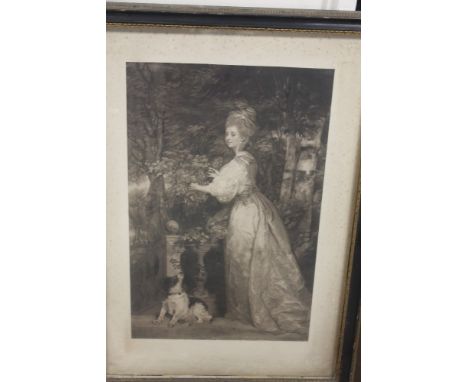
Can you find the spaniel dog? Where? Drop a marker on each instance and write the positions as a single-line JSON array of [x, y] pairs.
[[180, 306]]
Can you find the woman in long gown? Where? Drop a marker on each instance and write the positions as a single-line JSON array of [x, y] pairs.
[[264, 285]]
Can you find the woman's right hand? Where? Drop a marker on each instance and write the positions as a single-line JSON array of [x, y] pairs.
[[212, 173]]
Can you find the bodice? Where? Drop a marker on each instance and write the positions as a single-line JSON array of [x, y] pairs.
[[247, 183]]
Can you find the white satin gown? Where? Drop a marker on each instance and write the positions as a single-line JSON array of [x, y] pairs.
[[264, 285]]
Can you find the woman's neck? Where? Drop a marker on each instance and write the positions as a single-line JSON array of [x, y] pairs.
[[239, 150]]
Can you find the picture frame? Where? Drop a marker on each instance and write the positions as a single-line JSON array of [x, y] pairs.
[[125, 20]]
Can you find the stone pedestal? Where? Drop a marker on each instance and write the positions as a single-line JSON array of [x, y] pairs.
[[174, 248], [173, 251]]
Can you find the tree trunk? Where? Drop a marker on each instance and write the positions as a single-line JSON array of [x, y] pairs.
[[148, 262], [309, 183], [156, 226], [269, 179], [289, 173]]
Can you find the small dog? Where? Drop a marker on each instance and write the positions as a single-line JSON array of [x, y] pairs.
[[180, 306]]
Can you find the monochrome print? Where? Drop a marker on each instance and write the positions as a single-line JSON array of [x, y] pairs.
[[226, 167]]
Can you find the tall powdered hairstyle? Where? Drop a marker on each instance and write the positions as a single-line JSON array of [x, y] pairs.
[[244, 119]]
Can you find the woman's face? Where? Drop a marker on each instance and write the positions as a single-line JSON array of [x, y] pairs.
[[233, 139]]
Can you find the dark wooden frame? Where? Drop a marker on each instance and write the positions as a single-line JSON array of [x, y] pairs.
[[150, 15], [230, 17]]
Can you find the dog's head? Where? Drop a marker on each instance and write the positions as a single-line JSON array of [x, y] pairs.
[[173, 284]]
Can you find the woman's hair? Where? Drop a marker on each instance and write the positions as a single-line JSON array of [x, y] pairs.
[[244, 120]]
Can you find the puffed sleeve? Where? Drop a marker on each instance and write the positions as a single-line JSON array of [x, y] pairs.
[[227, 184]]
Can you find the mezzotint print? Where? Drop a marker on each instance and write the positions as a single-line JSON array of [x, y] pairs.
[[225, 174]]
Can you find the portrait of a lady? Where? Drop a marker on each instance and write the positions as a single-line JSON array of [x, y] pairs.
[[225, 178]]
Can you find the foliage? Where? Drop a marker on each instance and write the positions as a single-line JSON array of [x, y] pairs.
[[216, 225], [194, 236], [291, 215]]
